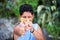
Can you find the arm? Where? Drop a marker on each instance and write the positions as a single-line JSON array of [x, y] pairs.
[[18, 31], [15, 36], [38, 34]]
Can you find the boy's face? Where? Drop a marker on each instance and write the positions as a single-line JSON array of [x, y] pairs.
[[26, 16]]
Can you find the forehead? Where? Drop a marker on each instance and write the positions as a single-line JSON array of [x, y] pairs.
[[27, 14]]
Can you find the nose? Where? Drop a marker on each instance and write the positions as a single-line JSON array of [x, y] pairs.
[[26, 19]]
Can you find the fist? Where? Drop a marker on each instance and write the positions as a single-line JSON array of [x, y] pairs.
[[22, 28]]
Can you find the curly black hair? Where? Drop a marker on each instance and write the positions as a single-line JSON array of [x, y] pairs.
[[25, 8]]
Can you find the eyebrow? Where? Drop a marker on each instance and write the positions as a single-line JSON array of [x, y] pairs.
[[25, 16]]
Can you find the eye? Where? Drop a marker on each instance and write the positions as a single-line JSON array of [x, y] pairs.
[[29, 16], [24, 16]]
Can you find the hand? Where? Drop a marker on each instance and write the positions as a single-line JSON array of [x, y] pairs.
[[22, 28], [29, 26]]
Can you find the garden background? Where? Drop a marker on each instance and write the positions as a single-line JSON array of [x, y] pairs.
[[47, 15]]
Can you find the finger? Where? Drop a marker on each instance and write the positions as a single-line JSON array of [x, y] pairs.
[[26, 24], [30, 24]]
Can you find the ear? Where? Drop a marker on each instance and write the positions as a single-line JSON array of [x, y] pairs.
[[33, 15]]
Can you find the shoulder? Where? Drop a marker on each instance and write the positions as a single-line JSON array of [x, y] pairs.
[[36, 26]]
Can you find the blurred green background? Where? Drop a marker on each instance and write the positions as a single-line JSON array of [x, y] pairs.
[[47, 13]]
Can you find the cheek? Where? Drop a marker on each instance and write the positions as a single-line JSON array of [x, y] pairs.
[[30, 19]]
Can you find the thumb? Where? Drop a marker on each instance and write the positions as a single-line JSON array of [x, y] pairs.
[[30, 24], [22, 24]]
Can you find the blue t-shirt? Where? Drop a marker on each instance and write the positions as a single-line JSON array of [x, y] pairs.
[[28, 35]]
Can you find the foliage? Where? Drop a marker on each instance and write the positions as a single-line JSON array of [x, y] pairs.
[[49, 18], [53, 30], [13, 6]]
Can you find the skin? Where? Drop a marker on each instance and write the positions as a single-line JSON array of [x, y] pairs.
[[28, 18]]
